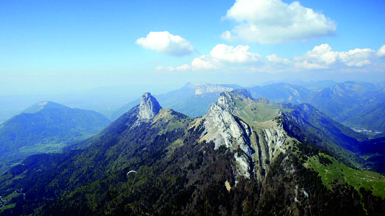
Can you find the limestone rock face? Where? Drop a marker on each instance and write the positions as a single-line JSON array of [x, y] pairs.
[[148, 109], [254, 148], [224, 129], [270, 142]]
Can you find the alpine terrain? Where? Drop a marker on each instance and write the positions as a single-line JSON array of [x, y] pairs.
[[245, 156]]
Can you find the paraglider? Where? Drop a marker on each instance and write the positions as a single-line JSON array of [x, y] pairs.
[[131, 171]]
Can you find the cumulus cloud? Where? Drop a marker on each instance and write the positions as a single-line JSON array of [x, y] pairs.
[[323, 56], [273, 21], [183, 67], [205, 63], [164, 42], [163, 68], [238, 54], [357, 57], [222, 55], [381, 52], [275, 59], [320, 57]]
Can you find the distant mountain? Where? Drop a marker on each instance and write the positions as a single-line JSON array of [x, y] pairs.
[[358, 105], [194, 99], [314, 85], [380, 84], [245, 156], [283, 93], [43, 105], [14, 104], [45, 127]]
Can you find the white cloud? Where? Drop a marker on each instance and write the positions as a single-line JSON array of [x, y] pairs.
[[381, 51], [356, 57], [321, 57], [222, 55], [164, 42], [273, 21], [228, 36], [163, 68], [275, 59], [309, 65], [238, 54], [183, 67], [204, 63]]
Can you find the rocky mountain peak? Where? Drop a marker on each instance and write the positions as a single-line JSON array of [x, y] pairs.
[[227, 125], [149, 107], [228, 100]]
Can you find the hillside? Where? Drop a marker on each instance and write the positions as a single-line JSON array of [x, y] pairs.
[[237, 159], [45, 127]]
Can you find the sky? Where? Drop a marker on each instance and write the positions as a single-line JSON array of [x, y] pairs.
[[49, 47]]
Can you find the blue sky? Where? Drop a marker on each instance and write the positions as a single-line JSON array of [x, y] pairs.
[[63, 46]]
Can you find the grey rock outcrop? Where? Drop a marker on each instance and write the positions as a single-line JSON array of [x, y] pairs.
[[254, 148], [270, 142], [148, 109], [224, 129]]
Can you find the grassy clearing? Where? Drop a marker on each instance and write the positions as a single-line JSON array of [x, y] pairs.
[[258, 112], [12, 195], [338, 172], [7, 207], [172, 119], [171, 148]]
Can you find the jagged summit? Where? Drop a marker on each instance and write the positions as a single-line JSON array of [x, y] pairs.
[[43, 105], [149, 107]]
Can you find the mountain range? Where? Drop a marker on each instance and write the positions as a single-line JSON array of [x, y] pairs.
[[358, 105], [244, 156], [194, 99]]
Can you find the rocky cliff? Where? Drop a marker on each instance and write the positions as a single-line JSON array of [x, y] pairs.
[[254, 147], [148, 109]]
